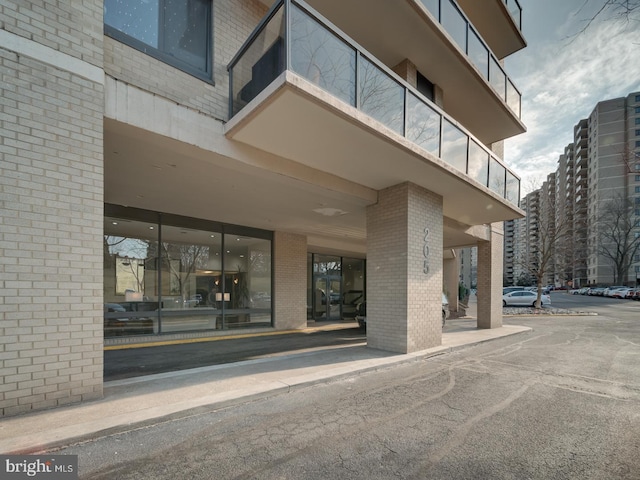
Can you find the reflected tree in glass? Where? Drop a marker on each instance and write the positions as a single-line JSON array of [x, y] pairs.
[[423, 125], [321, 57], [381, 97], [181, 261], [497, 173]]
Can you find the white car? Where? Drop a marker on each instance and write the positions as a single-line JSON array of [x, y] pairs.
[[524, 297]]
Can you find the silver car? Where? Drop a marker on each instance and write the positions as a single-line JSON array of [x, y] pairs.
[[524, 298]]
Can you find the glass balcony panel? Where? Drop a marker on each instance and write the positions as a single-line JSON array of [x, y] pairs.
[[329, 61], [454, 146], [260, 64], [433, 6], [478, 53], [322, 58], [454, 23], [497, 178], [423, 125], [513, 97], [516, 11], [381, 97], [513, 189], [497, 78], [478, 163]]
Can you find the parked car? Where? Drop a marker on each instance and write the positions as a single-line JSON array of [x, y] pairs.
[[506, 290], [524, 298], [595, 291], [619, 293], [608, 292], [361, 312]]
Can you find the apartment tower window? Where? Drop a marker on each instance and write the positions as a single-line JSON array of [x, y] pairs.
[[177, 32]]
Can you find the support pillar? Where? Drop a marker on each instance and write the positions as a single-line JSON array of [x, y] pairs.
[[490, 267], [404, 269]]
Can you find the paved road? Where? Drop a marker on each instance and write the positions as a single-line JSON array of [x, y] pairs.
[[134, 362], [562, 402]]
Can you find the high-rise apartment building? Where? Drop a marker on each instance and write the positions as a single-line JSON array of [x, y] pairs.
[[602, 164], [172, 170]]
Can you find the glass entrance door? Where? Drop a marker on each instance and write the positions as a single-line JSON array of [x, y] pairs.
[[326, 297]]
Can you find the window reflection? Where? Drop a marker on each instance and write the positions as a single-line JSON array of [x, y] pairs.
[[260, 64], [497, 78], [178, 31], [454, 146], [380, 96], [130, 252], [454, 23], [478, 168], [497, 180], [192, 280], [478, 53], [321, 57], [423, 125]]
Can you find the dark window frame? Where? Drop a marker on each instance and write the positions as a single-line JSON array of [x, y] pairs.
[[167, 58]]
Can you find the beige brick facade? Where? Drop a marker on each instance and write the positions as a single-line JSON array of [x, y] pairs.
[[404, 265], [51, 204], [290, 278], [490, 268]]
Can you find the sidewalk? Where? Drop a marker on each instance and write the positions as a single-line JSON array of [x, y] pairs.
[[135, 402]]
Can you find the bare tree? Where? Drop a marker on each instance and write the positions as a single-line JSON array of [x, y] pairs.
[[619, 238], [547, 236], [616, 10]]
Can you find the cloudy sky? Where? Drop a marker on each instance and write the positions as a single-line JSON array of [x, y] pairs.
[[563, 73]]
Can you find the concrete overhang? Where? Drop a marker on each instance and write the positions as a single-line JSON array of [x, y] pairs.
[[411, 32], [294, 119], [497, 26]]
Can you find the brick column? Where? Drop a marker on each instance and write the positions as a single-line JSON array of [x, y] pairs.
[[490, 266], [404, 270], [290, 281], [51, 204]]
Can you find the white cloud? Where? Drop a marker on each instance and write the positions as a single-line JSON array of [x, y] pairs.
[[561, 81]]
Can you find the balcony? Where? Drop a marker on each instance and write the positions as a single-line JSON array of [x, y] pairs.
[[302, 90], [499, 22], [444, 48]]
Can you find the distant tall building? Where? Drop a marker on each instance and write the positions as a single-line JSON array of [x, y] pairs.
[[601, 164]]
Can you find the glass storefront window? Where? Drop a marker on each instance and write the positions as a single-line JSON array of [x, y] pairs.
[[247, 282], [130, 252], [172, 278], [191, 272]]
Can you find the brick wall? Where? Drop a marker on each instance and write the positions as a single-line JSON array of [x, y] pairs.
[[290, 281], [404, 302], [51, 204]]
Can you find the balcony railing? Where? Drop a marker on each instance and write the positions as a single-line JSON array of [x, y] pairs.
[[515, 10], [458, 26], [296, 38]]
